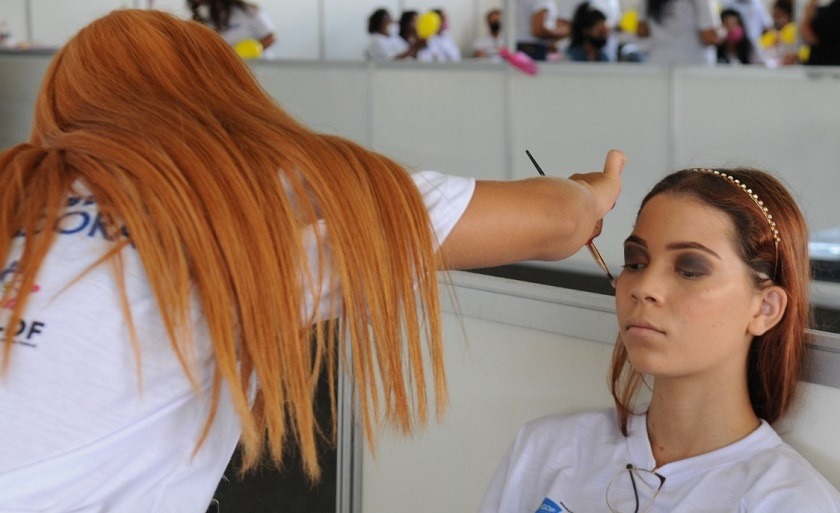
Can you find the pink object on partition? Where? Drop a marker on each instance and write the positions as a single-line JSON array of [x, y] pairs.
[[519, 60]]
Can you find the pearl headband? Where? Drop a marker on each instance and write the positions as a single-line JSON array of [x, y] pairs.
[[753, 196]]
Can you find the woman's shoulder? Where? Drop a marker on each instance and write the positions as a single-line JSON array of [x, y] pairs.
[[599, 426], [783, 478], [562, 438]]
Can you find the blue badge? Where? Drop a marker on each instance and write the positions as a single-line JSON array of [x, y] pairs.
[[549, 506]]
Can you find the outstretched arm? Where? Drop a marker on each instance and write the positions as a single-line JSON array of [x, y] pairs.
[[806, 30], [534, 219]]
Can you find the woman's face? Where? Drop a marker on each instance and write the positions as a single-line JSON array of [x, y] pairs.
[[685, 298], [385, 24]]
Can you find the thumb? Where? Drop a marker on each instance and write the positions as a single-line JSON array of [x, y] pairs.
[[615, 163]]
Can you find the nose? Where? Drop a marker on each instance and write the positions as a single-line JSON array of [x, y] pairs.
[[643, 286]]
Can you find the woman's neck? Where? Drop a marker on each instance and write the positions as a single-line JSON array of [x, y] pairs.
[[685, 420], [590, 51]]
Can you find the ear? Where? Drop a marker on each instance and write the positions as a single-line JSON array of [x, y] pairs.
[[771, 307]]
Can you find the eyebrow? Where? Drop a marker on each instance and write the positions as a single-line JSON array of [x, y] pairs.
[[635, 239]]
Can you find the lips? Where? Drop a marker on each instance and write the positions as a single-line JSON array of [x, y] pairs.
[[640, 325]]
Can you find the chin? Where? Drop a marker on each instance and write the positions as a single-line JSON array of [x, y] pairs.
[[644, 362]]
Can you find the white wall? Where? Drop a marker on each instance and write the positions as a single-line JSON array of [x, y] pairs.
[[13, 12], [766, 119]]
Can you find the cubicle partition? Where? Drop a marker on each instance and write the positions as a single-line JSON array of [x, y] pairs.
[[519, 350]]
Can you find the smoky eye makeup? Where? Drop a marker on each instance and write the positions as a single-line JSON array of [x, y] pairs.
[[693, 263], [634, 254]]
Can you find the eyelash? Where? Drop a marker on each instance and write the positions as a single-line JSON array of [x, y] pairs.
[[688, 275], [631, 267]]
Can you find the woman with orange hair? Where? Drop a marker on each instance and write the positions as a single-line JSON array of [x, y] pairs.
[[169, 257], [712, 307]]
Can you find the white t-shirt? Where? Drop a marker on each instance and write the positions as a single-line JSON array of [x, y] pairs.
[[384, 48], [567, 463], [489, 45], [525, 10], [440, 48], [251, 23], [78, 432], [676, 38]]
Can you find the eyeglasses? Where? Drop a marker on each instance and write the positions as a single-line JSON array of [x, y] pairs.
[[593, 250], [633, 490]]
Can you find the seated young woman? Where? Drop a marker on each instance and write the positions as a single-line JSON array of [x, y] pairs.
[[712, 306]]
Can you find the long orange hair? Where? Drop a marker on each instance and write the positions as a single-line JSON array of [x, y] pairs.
[[776, 360], [215, 185]]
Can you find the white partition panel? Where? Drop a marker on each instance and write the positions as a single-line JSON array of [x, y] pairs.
[[345, 26], [452, 121], [813, 429], [176, 7], [783, 120], [20, 80], [13, 15], [330, 98], [298, 24], [499, 377], [56, 21], [520, 351], [570, 115]]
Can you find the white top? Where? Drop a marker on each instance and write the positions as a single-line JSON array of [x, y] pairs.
[[609, 8], [79, 433], [440, 48], [676, 39], [251, 23], [525, 10], [567, 463], [384, 48], [489, 45]]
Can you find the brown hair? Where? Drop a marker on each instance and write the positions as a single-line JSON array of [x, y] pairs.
[[776, 359], [220, 11], [216, 186]]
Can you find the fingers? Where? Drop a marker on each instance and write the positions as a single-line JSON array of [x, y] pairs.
[[615, 163], [597, 231]]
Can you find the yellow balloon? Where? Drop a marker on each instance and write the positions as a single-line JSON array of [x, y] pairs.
[[804, 53], [629, 21], [428, 24], [788, 34], [768, 39], [248, 48]]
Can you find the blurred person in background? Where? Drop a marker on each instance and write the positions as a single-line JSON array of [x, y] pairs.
[[820, 28], [236, 21], [736, 46], [385, 42], [538, 28], [755, 17], [611, 9], [681, 31], [780, 44], [441, 46], [487, 46], [589, 35], [408, 26]]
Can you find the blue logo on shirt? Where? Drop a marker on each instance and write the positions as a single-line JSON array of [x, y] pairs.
[[549, 506]]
